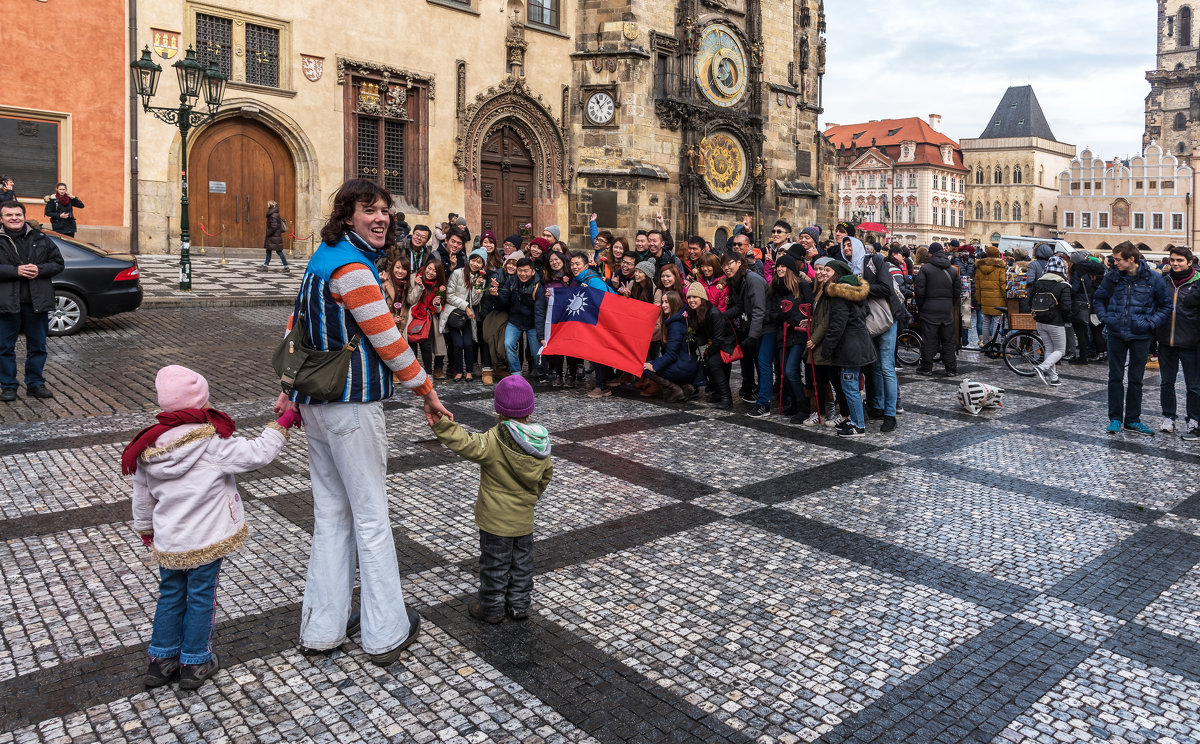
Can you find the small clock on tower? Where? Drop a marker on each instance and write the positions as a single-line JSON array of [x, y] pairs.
[[600, 108]]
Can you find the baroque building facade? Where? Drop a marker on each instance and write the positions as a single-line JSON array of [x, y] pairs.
[[903, 173], [1146, 201], [512, 113], [1012, 184]]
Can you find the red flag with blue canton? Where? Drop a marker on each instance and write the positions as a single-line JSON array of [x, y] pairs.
[[601, 327]]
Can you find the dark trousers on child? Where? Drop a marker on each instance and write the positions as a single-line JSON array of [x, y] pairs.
[[505, 573]]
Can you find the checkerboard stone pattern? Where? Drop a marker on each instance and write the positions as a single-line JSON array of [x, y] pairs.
[[1017, 576]]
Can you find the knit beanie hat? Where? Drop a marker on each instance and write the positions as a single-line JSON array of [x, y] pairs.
[[515, 256], [840, 268], [788, 261], [647, 268], [812, 231], [180, 388], [488, 235], [1056, 264], [992, 251], [514, 397], [553, 230], [481, 252], [515, 240], [954, 243], [847, 228], [695, 290], [542, 243], [935, 248]]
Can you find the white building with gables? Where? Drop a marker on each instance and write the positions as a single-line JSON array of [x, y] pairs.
[[903, 173]]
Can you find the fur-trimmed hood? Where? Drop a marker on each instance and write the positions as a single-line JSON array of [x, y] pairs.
[[854, 293]]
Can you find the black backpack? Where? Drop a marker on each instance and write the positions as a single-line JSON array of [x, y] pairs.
[[1044, 306]]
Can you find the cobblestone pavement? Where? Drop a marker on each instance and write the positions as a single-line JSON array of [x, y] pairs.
[[237, 282], [702, 576]]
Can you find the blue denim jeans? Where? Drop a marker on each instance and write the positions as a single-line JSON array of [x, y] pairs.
[[35, 326], [512, 338], [766, 369], [793, 371], [505, 573], [1170, 359], [186, 614], [1125, 402], [347, 466], [883, 372], [853, 397]]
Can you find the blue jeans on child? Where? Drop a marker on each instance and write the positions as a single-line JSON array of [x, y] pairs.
[[853, 397], [512, 338], [505, 573], [186, 614]]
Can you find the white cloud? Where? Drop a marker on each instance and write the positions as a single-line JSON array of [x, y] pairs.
[[1086, 61]]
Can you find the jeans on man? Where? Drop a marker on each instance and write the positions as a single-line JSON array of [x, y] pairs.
[[765, 362], [35, 326], [505, 573], [185, 616], [1170, 358], [512, 338], [883, 373], [1125, 403], [853, 397], [347, 464]]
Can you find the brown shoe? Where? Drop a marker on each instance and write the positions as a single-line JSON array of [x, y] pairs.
[[475, 610]]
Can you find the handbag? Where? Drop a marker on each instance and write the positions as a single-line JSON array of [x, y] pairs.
[[728, 357], [418, 329], [320, 375], [879, 316], [456, 319]]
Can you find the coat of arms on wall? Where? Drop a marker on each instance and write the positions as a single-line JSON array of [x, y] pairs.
[[166, 43], [313, 67]]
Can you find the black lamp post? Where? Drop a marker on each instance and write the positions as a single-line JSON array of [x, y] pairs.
[[194, 81]]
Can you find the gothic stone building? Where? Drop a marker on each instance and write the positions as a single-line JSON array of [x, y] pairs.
[[509, 112], [1173, 104]]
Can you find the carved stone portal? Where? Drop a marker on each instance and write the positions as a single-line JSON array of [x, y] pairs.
[[512, 103]]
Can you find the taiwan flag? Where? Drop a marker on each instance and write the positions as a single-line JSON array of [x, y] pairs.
[[602, 327]]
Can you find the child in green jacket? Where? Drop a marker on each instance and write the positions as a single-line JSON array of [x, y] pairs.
[[515, 468]]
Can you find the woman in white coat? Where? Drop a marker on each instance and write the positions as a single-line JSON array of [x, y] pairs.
[[463, 296]]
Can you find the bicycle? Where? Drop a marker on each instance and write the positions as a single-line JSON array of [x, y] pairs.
[[1015, 339]]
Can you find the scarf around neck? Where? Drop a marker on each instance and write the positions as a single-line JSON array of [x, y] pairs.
[[168, 420], [64, 200]]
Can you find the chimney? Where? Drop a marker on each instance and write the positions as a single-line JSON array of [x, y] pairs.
[[935, 122]]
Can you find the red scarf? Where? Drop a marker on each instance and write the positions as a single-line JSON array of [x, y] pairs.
[[168, 420], [64, 200]]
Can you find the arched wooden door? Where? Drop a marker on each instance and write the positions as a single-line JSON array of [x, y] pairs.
[[238, 165], [506, 183]]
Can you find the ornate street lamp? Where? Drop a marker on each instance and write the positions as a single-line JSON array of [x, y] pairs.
[[195, 80]]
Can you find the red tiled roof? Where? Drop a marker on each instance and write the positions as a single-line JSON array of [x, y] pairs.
[[887, 132]]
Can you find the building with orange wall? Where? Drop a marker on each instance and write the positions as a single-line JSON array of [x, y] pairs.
[[64, 110]]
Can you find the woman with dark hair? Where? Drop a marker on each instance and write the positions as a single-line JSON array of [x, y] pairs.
[[60, 208], [558, 274], [395, 281], [427, 297], [789, 303], [842, 340], [464, 292], [339, 299], [274, 237], [675, 368], [712, 279], [610, 258], [713, 335]]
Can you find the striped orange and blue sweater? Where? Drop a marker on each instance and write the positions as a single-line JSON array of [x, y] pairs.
[[340, 294]]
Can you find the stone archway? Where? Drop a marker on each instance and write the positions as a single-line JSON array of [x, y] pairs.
[[513, 107]]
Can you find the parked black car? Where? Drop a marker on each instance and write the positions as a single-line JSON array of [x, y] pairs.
[[94, 283]]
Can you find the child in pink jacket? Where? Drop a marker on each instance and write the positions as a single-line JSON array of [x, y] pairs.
[[187, 510]]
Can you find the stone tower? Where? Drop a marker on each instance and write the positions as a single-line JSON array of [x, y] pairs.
[[703, 109], [1173, 105]]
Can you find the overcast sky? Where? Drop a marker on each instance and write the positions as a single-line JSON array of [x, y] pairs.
[[1086, 60]]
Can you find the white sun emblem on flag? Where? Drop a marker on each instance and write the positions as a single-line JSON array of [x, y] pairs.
[[577, 304]]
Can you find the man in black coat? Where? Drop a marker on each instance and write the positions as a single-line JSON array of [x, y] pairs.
[[937, 290], [27, 261]]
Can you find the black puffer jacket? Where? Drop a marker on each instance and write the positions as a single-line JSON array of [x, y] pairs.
[[65, 225], [714, 330], [273, 240], [525, 302], [846, 342], [28, 246], [936, 292], [784, 311], [879, 278], [1182, 329], [1064, 308]]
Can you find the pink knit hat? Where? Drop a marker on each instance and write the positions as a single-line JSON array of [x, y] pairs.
[[180, 388]]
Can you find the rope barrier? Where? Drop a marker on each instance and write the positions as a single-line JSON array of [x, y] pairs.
[[211, 235], [306, 237]]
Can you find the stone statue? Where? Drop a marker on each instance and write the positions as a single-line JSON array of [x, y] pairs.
[[760, 171], [804, 52]]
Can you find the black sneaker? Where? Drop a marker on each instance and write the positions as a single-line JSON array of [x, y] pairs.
[[161, 672], [875, 414], [543, 380], [8, 395], [1192, 435], [848, 429], [388, 657], [759, 412], [352, 627], [749, 397], [40, 391], [925, 372], [191, 676], [475, 610], [889, 424]]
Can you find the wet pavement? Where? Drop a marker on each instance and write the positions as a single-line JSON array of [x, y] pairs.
[[1019, 576]]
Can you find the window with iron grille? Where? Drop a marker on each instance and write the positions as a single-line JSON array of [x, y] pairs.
[[214, 42], [393, 157], [368, 148], [387, 136], [262, 55], [544, 12]]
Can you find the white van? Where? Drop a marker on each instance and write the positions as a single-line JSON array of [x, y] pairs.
[[1028, 244]]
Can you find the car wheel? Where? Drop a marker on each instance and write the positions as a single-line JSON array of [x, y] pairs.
[[69, 313]]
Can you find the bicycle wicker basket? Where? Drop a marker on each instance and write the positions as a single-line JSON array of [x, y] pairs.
[[1017, 320]]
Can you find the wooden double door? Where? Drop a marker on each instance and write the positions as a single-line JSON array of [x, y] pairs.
[[238, 165], [507, 184]]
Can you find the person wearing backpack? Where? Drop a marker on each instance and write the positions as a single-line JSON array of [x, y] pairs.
[[1052, 303]]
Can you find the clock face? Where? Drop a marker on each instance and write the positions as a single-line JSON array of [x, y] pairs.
[[600, 107], [721, 65], [725, 161]]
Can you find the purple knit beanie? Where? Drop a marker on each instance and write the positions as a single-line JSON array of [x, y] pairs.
[[514, 397]]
